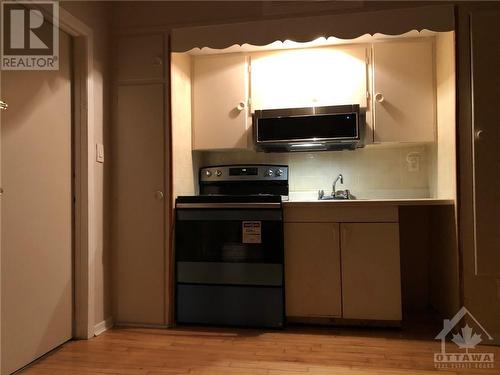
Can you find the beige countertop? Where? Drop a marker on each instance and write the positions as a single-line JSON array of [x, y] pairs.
[[299, 202]]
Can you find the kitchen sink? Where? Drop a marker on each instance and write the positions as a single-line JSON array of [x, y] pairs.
[[332, 198], [339, 195]]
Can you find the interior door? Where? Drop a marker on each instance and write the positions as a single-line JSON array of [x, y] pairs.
[[36, 165]]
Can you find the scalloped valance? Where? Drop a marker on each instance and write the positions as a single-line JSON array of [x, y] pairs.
[[304, 29]]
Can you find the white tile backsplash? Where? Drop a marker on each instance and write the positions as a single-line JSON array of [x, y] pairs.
[[375, 171]]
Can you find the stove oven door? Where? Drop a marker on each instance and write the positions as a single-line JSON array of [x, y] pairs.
[[229, 264]]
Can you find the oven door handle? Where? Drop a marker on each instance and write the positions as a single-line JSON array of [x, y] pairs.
[[227, 205]]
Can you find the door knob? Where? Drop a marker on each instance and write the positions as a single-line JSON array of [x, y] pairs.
[[3, 105], [379, 97], [478, 134], [159, 195], [241, 106]]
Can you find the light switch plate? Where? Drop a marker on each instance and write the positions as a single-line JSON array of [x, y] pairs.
[[99, 153]]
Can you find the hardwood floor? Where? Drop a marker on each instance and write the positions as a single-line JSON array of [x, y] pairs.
[[294, 351]]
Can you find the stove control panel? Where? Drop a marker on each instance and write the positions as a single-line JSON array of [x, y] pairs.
[[244, 172]]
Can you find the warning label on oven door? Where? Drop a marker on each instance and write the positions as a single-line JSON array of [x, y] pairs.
[[252, 231]]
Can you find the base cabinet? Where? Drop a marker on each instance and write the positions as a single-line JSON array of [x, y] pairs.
[[371, 280], [342, 269], [312, 270]]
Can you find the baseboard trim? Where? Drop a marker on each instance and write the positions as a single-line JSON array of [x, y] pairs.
[[103, 326], [140, 325]]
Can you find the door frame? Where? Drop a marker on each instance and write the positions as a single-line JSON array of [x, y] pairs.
[[84, 238], [84, 213]]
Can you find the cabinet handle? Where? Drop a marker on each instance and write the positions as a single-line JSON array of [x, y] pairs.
[[159, 195], [379, 97], [241, 106]]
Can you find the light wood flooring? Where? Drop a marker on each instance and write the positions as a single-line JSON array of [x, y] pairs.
[[294, 351]]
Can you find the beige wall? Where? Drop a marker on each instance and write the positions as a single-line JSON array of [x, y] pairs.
[[96, 15], [130, 15]]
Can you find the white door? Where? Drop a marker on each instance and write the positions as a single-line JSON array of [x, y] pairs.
[[36, 259], [404, 91], [371, 276]]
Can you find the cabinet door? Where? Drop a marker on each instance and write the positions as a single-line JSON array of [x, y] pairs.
[[140, 58], [371, 281], [485, 91], [309, 77], [220, 97], [312, 270], [404, 91], [139, 227]]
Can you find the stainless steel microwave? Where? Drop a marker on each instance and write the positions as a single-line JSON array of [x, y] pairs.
[[309, 129]]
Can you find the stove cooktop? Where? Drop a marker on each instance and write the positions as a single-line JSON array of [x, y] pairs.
[[257, 198]]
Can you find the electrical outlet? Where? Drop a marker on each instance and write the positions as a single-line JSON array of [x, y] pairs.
[[413, 161]]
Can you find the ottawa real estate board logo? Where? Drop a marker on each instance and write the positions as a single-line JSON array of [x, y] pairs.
[[30, 35], [463, 355]]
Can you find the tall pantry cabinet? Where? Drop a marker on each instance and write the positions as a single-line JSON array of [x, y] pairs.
[[478, 54], [140, 206]]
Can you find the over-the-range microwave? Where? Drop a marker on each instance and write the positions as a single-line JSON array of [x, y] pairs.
[[309, 129]]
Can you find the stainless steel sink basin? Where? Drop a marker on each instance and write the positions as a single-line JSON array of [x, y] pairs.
[[332, 198], [339, 195]]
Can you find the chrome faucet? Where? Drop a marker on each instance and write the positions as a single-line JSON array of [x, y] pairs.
[[339, 177], [336, 194]]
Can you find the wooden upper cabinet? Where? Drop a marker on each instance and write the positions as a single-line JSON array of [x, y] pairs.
[[141, 58], [404, 91], [371, 279], [312, 270], [309, 77], [220, 102]]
